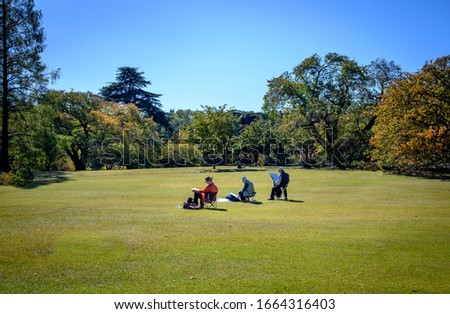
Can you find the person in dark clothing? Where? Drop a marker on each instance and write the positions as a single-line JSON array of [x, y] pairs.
[[248, 190], [280, 186]]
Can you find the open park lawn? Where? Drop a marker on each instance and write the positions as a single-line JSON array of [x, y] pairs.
[[121, 232]]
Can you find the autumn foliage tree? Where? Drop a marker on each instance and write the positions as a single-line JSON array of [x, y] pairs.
[[412, 132], [97, 134]]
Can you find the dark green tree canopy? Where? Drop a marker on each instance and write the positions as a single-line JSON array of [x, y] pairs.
[[129, 88], [320, 94]]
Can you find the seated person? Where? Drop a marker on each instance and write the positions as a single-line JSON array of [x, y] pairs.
[[248, 191], [201, 195], [280, 186]]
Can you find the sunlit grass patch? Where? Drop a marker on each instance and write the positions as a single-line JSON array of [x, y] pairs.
[[121, 232]]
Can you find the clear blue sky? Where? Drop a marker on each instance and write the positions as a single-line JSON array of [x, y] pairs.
[[198, 52]]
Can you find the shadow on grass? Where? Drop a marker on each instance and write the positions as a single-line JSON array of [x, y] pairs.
[[212, 209], [46, 178], [255, 203], [217, 209], [296, 201], [289, 201], [234, 170]]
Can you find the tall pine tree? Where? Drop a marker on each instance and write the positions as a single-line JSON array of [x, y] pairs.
[[129, 88], [22, 71]]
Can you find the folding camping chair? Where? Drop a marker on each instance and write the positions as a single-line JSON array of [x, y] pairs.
[[210, 201], [250, 199]]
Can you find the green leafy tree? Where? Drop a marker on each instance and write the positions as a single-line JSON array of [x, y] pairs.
[[382, 73], [129, 88], [412, 132], [35, 128], [22, 71], [212, 129], [180, 119], [34, 144], [179, 151], [74, 123], [97, 134], [323, 93], [256, 144]]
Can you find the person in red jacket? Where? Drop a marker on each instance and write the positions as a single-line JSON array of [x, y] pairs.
[[201, 195]]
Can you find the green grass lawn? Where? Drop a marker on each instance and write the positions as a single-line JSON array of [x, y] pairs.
[[121, 232]]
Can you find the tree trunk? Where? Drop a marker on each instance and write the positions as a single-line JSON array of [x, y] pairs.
[[6, 167], [77, 161], [5, 135], [371, 123]]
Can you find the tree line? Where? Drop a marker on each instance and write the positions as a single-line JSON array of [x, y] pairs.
[[328, 111]]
